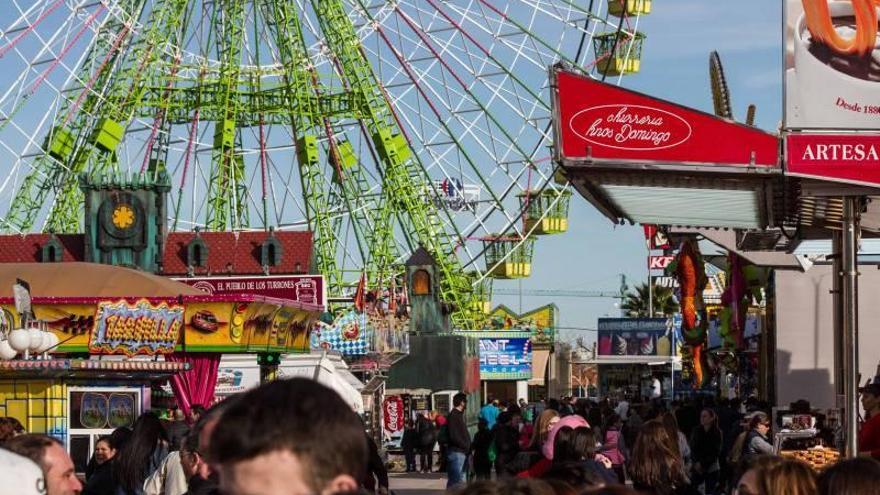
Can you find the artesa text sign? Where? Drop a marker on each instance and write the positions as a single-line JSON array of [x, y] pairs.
[[598, 121], [850, 158]]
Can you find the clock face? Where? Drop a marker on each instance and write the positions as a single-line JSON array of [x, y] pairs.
[[123, 216]]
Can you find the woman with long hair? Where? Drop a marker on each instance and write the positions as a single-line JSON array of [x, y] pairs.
[[574, 450], [682, 449], [141, 455], [545, 421], [778, 476], [859, 476], [654, 466], [706, 443]]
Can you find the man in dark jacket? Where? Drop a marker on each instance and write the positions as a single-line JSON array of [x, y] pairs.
[[459, 442]]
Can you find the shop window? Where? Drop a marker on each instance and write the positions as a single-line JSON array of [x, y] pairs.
[[421, 283]]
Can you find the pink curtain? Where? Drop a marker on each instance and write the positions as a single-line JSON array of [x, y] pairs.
[[196, 386]]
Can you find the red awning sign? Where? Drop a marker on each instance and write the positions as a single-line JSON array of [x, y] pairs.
[[847, 158], [601, 122]]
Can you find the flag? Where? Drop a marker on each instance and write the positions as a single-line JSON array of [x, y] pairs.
[[655, 237], [360, 294]]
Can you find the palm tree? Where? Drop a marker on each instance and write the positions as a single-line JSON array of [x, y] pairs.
[[635, 303]]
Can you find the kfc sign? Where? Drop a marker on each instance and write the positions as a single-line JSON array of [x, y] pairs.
[[392, 408], [659, 262], [596, 122], [848, 158]]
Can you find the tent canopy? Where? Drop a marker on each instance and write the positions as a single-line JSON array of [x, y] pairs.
[[89, 280]]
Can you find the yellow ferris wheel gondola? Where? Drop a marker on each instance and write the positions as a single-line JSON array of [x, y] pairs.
[[618, 52], [619, 8], [545, 212], [508, 257]]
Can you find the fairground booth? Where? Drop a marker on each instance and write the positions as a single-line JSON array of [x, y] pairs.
[[84, 355], [698, 177]]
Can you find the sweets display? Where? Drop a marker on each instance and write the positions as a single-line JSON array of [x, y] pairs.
[[817, 457]]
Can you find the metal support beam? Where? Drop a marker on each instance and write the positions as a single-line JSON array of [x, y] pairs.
[[850, 320], [837, 315]]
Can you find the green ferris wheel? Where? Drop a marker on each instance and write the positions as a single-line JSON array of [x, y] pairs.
[[378, 125]]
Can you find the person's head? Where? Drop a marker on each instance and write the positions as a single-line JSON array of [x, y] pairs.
[[760, 422], [510, 486], [104, 450], [572, 421], [503, 418], [542, 426], [871, 396], [751, 481], [574, 445], [191, 458], [574, 474], [146, 436], [9, 428], [669, 422], [459, 401], [859, 476], [613, 421], [120, 437], [201, 432], [50, 456], [292, 436], [482, 424], [778, 477], [20, 475], [177, 415], [653, 461], [708, 419], [196, 412]]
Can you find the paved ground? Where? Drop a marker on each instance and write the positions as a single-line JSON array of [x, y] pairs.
[[417, 484]]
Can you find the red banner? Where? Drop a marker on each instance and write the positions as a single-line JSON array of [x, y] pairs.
[[850, 158], [393, 416], [308, 289], [598, 121]]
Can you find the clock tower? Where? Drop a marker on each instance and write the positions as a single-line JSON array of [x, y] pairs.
[[125, 219]]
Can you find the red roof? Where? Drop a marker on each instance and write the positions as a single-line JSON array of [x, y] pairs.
[[229, 253], [238, 253], [27, 248]]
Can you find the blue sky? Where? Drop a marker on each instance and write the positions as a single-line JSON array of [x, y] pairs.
[[680, 35]]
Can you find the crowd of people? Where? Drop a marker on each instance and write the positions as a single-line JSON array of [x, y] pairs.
[[690, 448], [298, 437]]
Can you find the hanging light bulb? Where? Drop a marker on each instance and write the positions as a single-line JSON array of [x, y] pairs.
[[6, 351], [35, 337], [50, 340]]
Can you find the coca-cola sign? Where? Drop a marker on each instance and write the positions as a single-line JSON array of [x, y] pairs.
[[392, 408], [601, 123], [630, 127]]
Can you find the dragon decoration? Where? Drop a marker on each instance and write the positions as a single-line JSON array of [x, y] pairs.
[[688, 269], [743, 289]]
